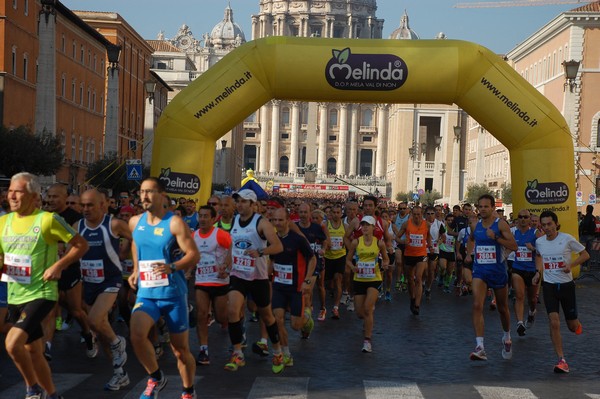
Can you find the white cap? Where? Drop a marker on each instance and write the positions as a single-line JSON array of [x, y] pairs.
[[368, 219], [246, 194]]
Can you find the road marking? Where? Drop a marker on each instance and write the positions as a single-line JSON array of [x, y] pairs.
[[391, 390], [279, 388], [171, 390], [63, 382], [593, 395], [504, 393]]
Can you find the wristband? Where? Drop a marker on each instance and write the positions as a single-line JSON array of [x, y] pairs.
[[173, 267]]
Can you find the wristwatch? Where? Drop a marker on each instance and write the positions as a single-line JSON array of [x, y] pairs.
[[173, 267], [260, 252], [307, 281]]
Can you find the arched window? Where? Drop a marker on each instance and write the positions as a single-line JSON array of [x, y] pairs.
[[285, 116], [333, 118], [331, 166], [284, 164], [367, 118]]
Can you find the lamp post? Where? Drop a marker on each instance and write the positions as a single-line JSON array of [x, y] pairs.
[[571, 68], [150, 86], [113, 53]]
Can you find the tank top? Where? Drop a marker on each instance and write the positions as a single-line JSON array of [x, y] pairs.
[[101, 261], [243, 238], [400, 222], [416, 239], [488, 253], [212, 255], [336, 250], [156, 244], [524, 258], [367, 266]]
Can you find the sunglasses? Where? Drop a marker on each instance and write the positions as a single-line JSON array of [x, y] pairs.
[[402, 209], [213, 203], [71, 203], [430, 213], [523, 217]]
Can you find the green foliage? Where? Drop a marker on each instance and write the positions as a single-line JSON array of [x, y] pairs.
[[403, 196], [428, 198], [474, 191], [23, 151], [111, 173], [507, 193]]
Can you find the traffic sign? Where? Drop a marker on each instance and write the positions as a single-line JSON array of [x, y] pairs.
[[134, 169], [415, 197], [592, 199]]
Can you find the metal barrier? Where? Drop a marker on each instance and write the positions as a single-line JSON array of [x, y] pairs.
[[592, 267]]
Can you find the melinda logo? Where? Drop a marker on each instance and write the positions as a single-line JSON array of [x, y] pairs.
[[546, 193], [179, 183], [378, 72]]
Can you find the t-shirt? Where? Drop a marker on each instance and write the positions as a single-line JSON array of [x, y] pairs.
[[556, 254], [290, 266], [29, 246]]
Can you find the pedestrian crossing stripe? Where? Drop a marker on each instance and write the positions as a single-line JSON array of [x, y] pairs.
[[391, 390], [504, 393], [279, 388], [171, 390], [63, 382], [593, 396]]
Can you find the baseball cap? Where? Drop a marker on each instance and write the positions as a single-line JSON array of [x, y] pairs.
[[127, 209], [246, 194], [368, 219]]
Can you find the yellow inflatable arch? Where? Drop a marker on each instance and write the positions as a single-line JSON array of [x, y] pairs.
[[371, 71]]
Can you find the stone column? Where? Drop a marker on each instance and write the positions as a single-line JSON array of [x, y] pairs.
[[380, 166], [343, 138], [111, 133], [455, 174], [352, 168], [274, 166], [322, 158], [45, 100], [263, 166], [295, 138]]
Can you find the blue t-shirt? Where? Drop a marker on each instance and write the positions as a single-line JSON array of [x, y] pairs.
[[488, 253]]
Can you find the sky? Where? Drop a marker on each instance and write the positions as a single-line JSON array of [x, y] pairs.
[[499, 29]]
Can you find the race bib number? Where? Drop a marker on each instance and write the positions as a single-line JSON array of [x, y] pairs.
[[366, 269], [315, 247], [416, 240], [17, 269], [524, 254], [242, 262], [553, 262], [486, 254], [147, 277], [206, 268], [92, 271], [284, 274], [450, 240], [336, 243], [127, 266]]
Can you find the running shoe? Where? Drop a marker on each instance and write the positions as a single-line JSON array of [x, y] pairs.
[[118, 381], [521, 328], [153, 387], [579, 329], [91, 345], [344, 299], [211, 319], [253, 317], [119, 354], [278, 363], [309, 325], [416, 310], [35, 392], [493, 304], [236, 362], [288, 360], [187, 395], [561, 366], [350, 305], [366, 348], [388, 296], [203, 358], [531, 318], [260, 348], [427, 294], [398, 287], [335, 313], [506, 349], [47, 351], [322, 314], [478, 354]]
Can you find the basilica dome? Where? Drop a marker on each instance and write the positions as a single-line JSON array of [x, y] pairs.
[[404, 32], [227, 33]]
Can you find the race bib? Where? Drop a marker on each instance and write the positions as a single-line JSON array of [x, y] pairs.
[[523, 254], [206, 268], [315, 247], [92, 271], [284, 274], [366, 269], [127, 266], [416, 240], [242, 262], [486, 254], [449, 240], [553, 262], [147, 277], [337, 243], [17, 269]]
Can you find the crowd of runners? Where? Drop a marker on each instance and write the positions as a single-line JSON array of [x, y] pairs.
[[91, 256]]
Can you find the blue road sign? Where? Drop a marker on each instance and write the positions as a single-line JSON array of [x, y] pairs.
[[134, 169]]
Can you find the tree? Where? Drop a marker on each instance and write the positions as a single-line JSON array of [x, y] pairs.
[[474, 191], [23, 151], [507, 193], [428, 198], [111, 173]]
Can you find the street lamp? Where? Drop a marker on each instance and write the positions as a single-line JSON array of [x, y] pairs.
[[412, 150], [438, 141], [423, 148], [457, 133], [150, 86], [113, 53], [571, 68], [223, 144]]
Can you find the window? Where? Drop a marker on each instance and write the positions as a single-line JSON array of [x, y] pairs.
[[333, 118], [89, 98], [132, 145], [15, 4], [73, 147], [284, 164], [14, 60], [367, 139], [285, 136], [285, 116], [73, 88], [87, 151], [94, 101], [26, 7], [367, 118], [332, 138], [95, 62], [63, 86], [63, 143], [62, 43], [82, 54], [93, 150], [80, 149], [89, 58], [251, 118], [250, 135], [331, 166], [74, 49], [338, 31], [81, 94], [25, 64]]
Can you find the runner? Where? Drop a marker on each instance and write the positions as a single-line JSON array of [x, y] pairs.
[[102, 276], [401, 218], [126, 296], [317, 217], [367, 275], [249, 276], [487, 241], [28, 247], [162, 289], [351, 210], [191, 216], [335, 257], [292, 272], [432, 216], [523, 271], [447, 257], [461, 254], [212, 275], [418, 240], [554, 260], [226, 212]]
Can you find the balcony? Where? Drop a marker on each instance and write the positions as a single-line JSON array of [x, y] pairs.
[[252, 125], [367, 129]]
